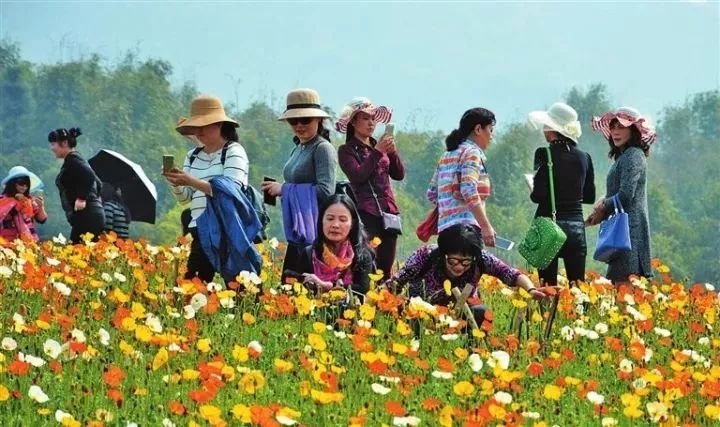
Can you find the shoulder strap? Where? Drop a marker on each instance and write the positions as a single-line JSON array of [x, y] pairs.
[[552, 182], [194, 154], [372, 188]]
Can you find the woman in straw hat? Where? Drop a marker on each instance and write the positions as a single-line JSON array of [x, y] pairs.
[[461, 184], [309, 173], [215, 132], [574, 184], [369, 165], [18, 208], [629, 137], [78, 185]]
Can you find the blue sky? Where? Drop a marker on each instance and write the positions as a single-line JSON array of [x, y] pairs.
[[430, 61]]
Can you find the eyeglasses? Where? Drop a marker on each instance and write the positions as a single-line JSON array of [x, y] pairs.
[[465, 262], [301, 120]]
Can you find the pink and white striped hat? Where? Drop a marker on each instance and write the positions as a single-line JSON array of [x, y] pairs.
[[380, 114], [626, 116]]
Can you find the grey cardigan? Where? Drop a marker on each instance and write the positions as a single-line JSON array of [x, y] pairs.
[[627, 178], [313, 163]]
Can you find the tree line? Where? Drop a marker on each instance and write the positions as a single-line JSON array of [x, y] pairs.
[[131, 107]]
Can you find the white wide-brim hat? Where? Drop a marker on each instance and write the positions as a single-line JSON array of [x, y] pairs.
[[20, 171], [560, 117]]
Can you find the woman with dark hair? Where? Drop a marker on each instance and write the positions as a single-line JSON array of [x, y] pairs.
[[221, 155], [574, 184], [369, 165], [339, 255], [78, 185], [461, 184], [460, 259], [18, 208], [629, 137], [117, 214], [309, 173]]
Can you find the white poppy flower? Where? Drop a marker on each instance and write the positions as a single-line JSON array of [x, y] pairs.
[[52, 348], [255, 346], [8, 344], [35, 393], [189, 312], [406, 421], [198, 301], [476, 362], [499, 359], [503, 397], [380, 389], [442, 375], [104, 337], [595, 398]]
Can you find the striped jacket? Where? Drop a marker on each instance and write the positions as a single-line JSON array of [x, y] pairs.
[[460, 183]]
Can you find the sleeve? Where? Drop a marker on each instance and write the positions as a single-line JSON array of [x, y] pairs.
[[397, 168], [630, 169], [432, 191], [325, 160], [539, 193], [236, 163], [414, 266], [361, 273], [589, 186], [39, 216], [497, 268], [474, 179], [109, 216], [183, 194], [356, 171], [83, 177]]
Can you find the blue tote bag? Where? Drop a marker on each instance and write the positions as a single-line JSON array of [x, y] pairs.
[[614, 234]]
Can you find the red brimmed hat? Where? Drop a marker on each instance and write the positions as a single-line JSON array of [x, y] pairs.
[[380, 114], [626, 116]]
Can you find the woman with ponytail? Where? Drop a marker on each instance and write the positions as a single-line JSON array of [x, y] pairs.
[[78, 185], [461, 184]]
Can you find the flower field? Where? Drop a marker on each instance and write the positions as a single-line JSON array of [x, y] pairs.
[[104, 334]]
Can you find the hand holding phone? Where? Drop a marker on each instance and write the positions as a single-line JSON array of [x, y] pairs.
[[503, 243], [389, 129], [267, 198], [168, 162]]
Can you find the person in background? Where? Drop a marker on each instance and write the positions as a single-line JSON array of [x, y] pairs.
[[629, 136], [369, 165], [309, 173], [214, 129], [117, 214], [78, 185], [459, 258], [461, 184], [19, 210], [574, 180], [339, 254]]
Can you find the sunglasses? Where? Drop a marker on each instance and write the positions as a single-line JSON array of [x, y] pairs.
[[301, 120], [465, 262]]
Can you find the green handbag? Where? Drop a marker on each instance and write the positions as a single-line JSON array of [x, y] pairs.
[[544, 238]]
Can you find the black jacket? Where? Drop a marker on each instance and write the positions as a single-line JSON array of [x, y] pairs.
[[77, 180]]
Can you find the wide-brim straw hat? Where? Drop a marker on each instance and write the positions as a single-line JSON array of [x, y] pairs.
[[303, 103], [21, 171], [204, 110], [561, 118], [379, 113], [626, 116]]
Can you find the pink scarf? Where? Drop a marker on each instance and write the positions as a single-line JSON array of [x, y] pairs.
[[334, 266]]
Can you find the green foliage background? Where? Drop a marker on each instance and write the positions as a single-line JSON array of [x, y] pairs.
[[131, 107]]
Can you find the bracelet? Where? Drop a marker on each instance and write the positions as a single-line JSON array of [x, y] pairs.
[[531, 289]]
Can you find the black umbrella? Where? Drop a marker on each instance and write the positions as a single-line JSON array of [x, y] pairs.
[[138, 192]]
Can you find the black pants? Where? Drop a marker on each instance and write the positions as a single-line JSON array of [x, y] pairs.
[[573, 253], [293, 260], [385, 253], [89, 220], [198, 264]]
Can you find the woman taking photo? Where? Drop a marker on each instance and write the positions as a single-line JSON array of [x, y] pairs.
[[369, 165], [216, 132], [309, 173], [574, 184], [459, 258], [461, 184], [629, 137], [19, 210], [78, 185], [339, 255]]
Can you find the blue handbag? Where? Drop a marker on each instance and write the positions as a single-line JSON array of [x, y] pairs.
[[614, 234]]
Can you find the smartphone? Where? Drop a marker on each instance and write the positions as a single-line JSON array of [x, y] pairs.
[[503, 243], [389, 129], [267, 198], [168, 162]]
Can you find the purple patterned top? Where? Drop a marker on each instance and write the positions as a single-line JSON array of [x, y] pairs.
[[422, 266]]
